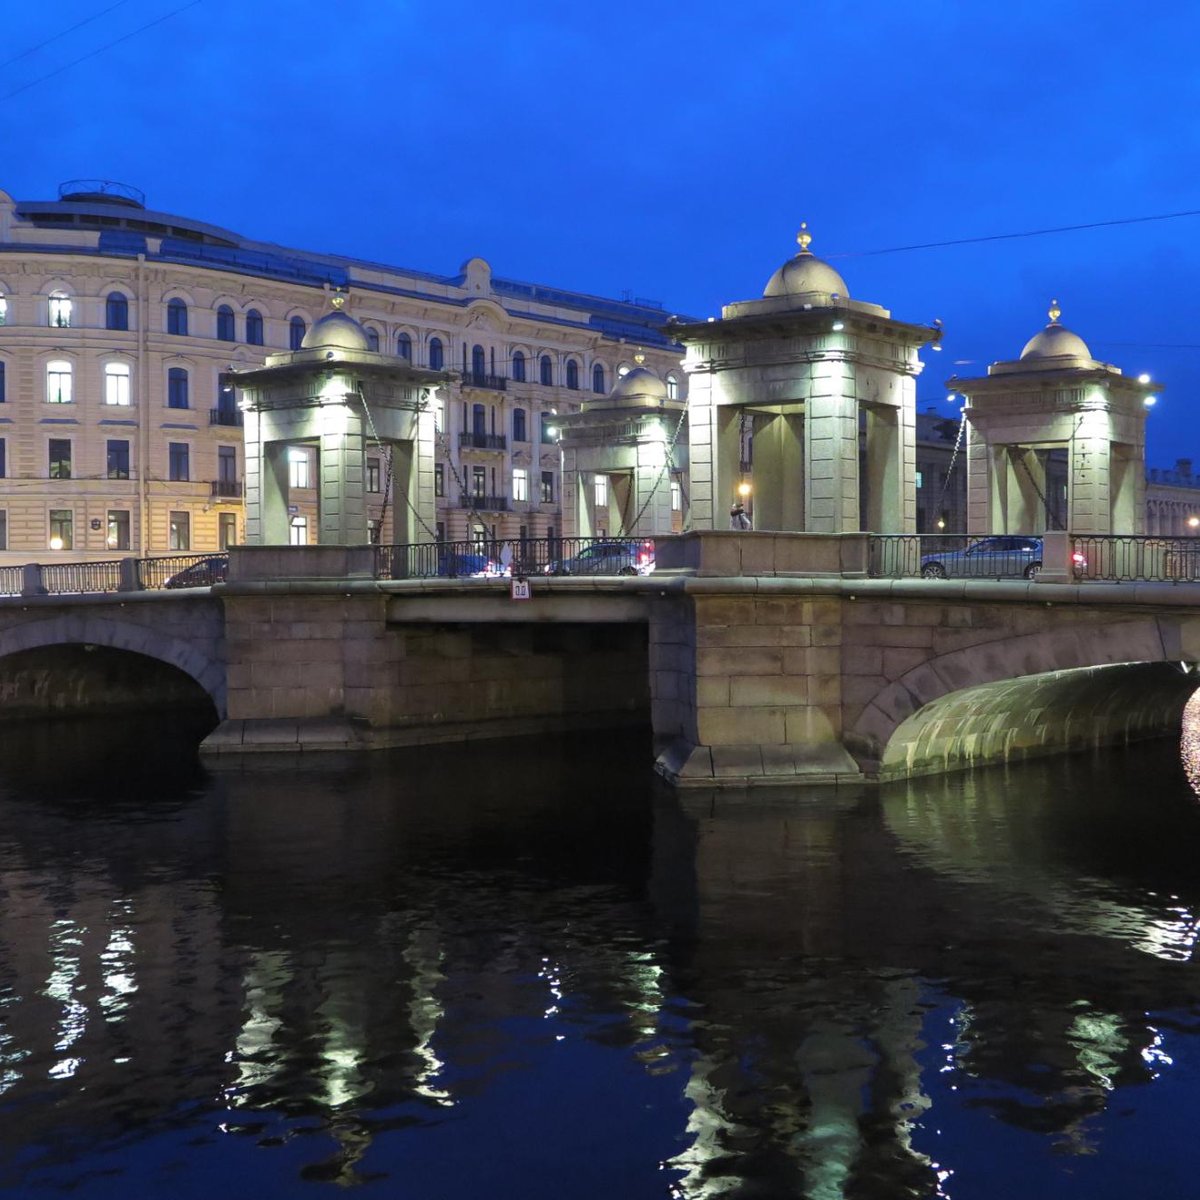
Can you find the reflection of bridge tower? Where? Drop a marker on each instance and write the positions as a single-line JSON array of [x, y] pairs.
[[801, 376], [621, 454], [1055, 397], [336, 394]]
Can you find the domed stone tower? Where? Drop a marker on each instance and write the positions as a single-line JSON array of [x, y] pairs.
[[1055, 440], [621, 454], [777, 392], [338, 396]]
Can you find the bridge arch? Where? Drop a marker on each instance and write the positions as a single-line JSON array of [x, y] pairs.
[[195, 658], [1039, 693]]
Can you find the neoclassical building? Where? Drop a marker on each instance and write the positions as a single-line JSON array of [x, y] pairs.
[[119, 432]]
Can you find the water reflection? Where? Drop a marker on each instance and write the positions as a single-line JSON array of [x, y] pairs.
[[525, 970]]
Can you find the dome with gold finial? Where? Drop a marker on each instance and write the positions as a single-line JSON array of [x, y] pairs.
[[336, 330], [1055, 346], [806, 275], [637, 386]]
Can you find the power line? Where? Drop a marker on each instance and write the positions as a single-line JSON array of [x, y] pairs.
[[1004, 237], [100, 50], [78, 25]]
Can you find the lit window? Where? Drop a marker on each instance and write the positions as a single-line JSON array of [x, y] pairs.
[[296, 331], [546, 369], [520, 434], [178, 463], [676, 496], [436, 357], [3, 310], [180, 532], [548, 429], [520, 489], [372, 474], [404, 346], [518, 366], [598, 379], [62, 526], [672, 388], [298, 468], [118, 458], [60, 311], [118, 529], [116, 311], [572, 375], [622, 370], [226, 530], [116, 383], [225, 330], [177, 317], [920, 479], [254, 327], [439, 479], [298, 531], [177, 387], [600, 491], [58, 382]]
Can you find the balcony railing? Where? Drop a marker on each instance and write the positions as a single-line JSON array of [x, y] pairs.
[[483, 503], [482, 441], [226, 416], [479, 379], [226, 489]]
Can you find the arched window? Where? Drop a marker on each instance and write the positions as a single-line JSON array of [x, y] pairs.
[[58, 381], [3, 310], [672, 387], [116, 383], [572, 375], [372, 339], [177, 388], [116, 311], [254, 328], [177, 317], [518, 366], [598, 379], [404, 346], [296, 331], [519, 431], [546, 367], [225, 330], [60, 310], [436, 358], [478, 361]]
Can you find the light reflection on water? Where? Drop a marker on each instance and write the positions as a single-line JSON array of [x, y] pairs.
[[526, 970]]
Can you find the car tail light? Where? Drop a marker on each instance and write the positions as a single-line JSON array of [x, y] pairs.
[[1078, 560]]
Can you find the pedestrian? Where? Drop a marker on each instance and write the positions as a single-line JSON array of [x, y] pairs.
[[738, 518]]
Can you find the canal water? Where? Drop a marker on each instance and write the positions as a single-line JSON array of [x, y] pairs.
[[527, 970]]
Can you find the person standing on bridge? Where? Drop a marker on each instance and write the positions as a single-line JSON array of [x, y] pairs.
[[738, 518]]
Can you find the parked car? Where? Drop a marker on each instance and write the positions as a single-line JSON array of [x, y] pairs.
[[988, 558], [459, 565], [632, 557], [204, 573]]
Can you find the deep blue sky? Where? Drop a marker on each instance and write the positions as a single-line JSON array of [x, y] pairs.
[[669, 150]]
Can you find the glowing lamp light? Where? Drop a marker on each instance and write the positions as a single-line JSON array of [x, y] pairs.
[[941, 524], [1193, 522], [838, 326], [56, 543], [743, 490], [951, 397], [1143, 378], [1150, 401]]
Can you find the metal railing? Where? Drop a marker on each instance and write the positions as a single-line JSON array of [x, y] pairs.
[[482, 441], [1121, 557], [481, 379], [226, 416], [164, 572], [226, 489], [483, 503], [11, 580], [503, 558], [81, 578], [953, 556]]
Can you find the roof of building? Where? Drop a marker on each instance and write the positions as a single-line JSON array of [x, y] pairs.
[[804, 274], [1058, 343]]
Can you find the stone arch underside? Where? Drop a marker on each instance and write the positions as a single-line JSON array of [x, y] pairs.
[[1024, 697], [193, 658]]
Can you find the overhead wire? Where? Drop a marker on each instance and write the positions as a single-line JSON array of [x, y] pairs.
[[7, 62]]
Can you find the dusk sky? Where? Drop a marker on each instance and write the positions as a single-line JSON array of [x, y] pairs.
[[668, 151]]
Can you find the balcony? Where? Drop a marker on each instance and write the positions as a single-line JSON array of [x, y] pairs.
[[226, 489], [484, 503], [482, 441], [226, 416], [477, 379]]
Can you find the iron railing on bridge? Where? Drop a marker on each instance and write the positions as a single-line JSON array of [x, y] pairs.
[[114, 575], [520, 557], [953, 556], [1128, 558]]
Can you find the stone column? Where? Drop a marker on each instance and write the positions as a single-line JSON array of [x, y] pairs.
[[831, 442], [343, 517], [1089, 502]]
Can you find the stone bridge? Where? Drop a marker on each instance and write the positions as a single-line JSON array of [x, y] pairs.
[[755, 658]]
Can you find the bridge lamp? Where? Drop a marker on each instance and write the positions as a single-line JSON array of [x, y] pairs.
[[951, 397], [838, 326], [744, 489], [1150, 401], [1193, 522], [1143, 378]]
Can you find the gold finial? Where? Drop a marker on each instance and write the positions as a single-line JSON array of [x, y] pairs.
[[804, 237], [1055, 312], [639, 358], [338, 299]]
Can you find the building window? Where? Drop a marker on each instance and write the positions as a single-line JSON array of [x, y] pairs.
[[227, 470], [298, 471], [672, 387], [118, 529], [3, 310], [547, 487], [117, 458], [436, 356], [478, 361], [179, 534], [520, 433], [116, 383], [58, 382], [373, 339], [600, 491], [298, 531], [116, 311], [62, 527], [3, 526], [254, 327], [178, 462], [2, 394], [60, 311], [518, 366], [3, 458], [676, 496], [177, 317], [546, 368], [225, 329], [548, 430], [572, 375], [404, 346], [439, 479], [226, 530], [177, 388], [439, 414], [372, 474], [296, 331], [478, 482], [520, 483], [598, 379], [920, 479], [59, 458]]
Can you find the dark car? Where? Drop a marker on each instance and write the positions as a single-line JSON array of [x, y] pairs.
[[457, 565], [204, 573], [631, 557]]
